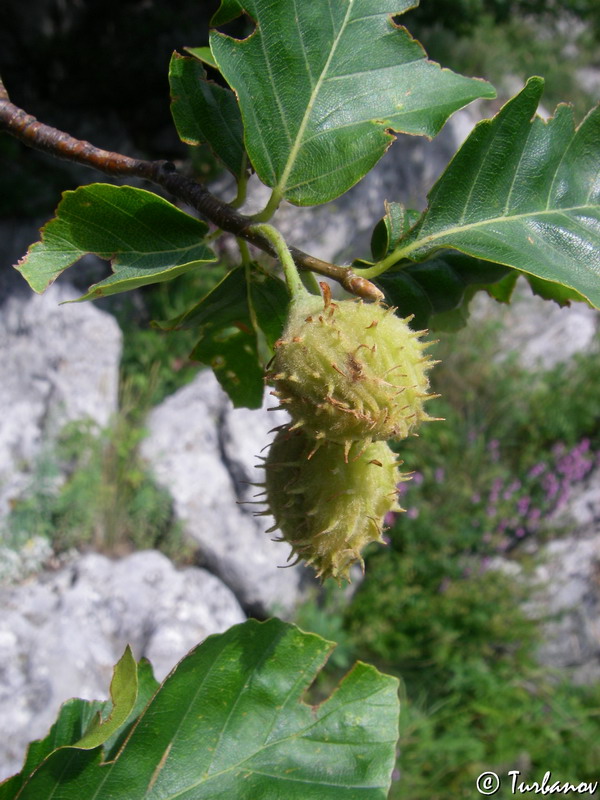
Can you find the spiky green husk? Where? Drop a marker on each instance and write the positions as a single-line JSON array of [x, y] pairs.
[[348, 371], [328, 509]]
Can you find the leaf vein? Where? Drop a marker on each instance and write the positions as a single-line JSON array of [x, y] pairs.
[[457, 229]]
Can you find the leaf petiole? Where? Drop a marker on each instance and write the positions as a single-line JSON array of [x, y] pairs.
[[386, 263], [271, 207], [244, 251], [242, 185], [292, 278]]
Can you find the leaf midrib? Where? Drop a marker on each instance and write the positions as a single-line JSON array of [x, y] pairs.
[[419, 243], [114, 253], [280, 188], [278, 742]]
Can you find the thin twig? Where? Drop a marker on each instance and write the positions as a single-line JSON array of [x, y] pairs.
[[50, 140]]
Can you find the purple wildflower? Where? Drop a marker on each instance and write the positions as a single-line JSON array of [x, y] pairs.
[[574, 465], [537, 470], [494, 450], [551, 485], [495, 490], [523, 505], [563, 497]]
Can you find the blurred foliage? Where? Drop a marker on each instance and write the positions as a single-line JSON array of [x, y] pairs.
[[435, 611], [465, 15], [505, 42], [519, 719]]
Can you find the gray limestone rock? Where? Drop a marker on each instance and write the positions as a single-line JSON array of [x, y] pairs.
[[59, 363], [565, 588], [543, 333], [204, 452], [16, 564], [568, 599], [61, 634], [584, 506]]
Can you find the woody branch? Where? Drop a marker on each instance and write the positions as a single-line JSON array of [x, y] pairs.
[[37, 135]]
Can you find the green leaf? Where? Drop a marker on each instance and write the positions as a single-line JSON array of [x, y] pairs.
[[80, 722], [562, 295], [203, 111], [203, 54], [522, 192], [232, 352], [123, 693], [229, 345], [395, 224], [229, 722], [503, 289], [146, 238], [146, 688], [438, 286], [322, 84], [270, 300], [228, 340], [74, 717], [229, 318], [227, 300]]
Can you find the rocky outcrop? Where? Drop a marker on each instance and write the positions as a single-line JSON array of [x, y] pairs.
[[542, 333], [564, 597], [204, 452], [567, 589], [61, 634], [568, 600], [59, 364]]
